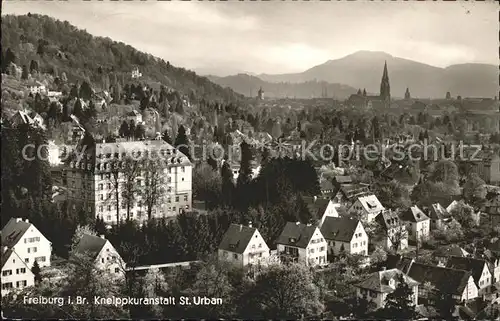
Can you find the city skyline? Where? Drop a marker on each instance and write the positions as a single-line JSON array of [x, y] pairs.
[[285, 38]]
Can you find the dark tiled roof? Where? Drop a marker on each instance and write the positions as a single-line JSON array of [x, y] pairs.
[[236, 238], [296, 234], [388, 219], [414, 214], [351, 191], [450, 250], [344, 179], [445, 201], [379, 281], [339, 228], [446, 280], [8, 252], [475, 266], [90, 245], [397, 261], [13, 231], [316, 206], [437, 212]]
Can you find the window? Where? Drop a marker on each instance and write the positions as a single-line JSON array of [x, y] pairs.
[[117, 270], [321, 249], [109, 207], [102, 260], [183, 169], [169, 199], [253, 247], [182, 179], [100, 187], [260, 245], [6, 272], [169, 179], [40, 259], [100, 208], [185, 198], [6, 286], [177, 198], [311, 251], [235, 256], [101, 197], [27, 260], [21, 271]]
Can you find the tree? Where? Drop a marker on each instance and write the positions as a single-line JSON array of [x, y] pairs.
[[79, 233], [448, 95], [85, 91], [73, 93], [444, 303], [227, 184], [474, 189], [25, 73], [166, 137], [399, 304], [445, 171], [287, 291], [10, 58], [154, 188], [78, 109], [182, 142], [465, 215], [276, 130], [124, 130], [33, 66], [392, 195], [36, 272], [207, 185], [140, 131], [131, 169]]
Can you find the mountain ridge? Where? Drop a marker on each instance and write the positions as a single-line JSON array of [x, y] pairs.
[[363, 69]]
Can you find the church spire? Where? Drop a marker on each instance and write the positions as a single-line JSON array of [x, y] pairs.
[[385, 88]]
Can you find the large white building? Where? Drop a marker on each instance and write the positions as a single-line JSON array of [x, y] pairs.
[[22, 245], [91, 179]]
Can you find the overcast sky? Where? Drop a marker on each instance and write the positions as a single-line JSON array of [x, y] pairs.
[[282, 37]]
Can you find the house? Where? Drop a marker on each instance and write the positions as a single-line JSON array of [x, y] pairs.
[[16, 273], [345, 235], [487, 165], [302, 243], [477, 267], [378, 285], [394, 230], [136, 73], [36, 87], [443, 253], [339, 180], [326, 187], [102, 252], [26, 117], [419, 223], [242, 246], [459, 283], [367, 206], [346, 194], [54, 94], [437, 213], [321, 207], [27, 242], [134, 116], [492, 254]]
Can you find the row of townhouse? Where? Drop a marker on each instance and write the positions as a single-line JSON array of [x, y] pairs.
[[23, 245], [463, 278]]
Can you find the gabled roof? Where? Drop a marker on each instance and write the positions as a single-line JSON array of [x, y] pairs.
[[342, 179], [451, 250], [446, 280], [437, 212], [379, 281], [236, 238], [475, 266], [388, 219], [339, 228], [90, 245], [296, 234], [397, 261], [326, 185], [350, 191], [13, 231], [371, 203], [414, 214], [8, 252], [316, 206]]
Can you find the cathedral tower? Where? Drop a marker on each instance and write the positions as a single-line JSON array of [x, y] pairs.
[[385, 88]]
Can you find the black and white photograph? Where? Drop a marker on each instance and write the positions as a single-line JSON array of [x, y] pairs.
[[250, 160]]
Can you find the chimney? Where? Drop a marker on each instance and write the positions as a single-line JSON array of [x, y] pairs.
[[18, 219], [5, 249], [241, 227], [315, 198], [297, 223], [26, 220], [383, 268], [250, 224], [102, 236]]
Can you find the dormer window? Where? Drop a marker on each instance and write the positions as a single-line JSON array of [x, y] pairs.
[[292, 240]]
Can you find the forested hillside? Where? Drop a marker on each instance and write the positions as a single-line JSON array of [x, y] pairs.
[[54, 47]]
